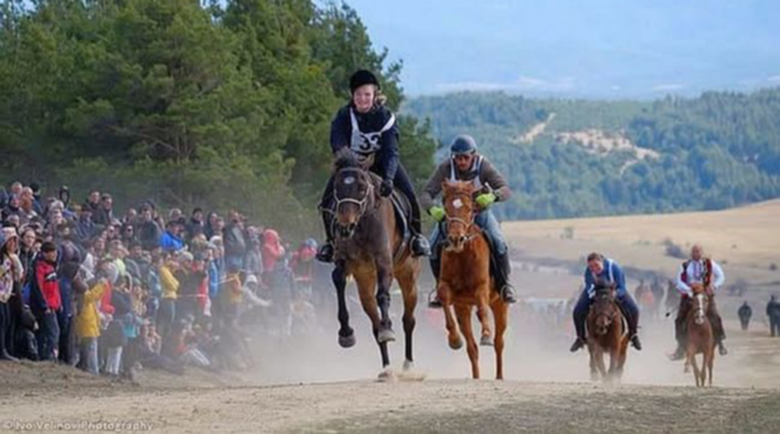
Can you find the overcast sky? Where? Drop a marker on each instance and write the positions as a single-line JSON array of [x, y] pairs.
[[579, 48]]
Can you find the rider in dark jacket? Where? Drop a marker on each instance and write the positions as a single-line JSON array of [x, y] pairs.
[[367, 127]]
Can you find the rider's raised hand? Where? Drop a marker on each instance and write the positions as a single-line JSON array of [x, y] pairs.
[[486, 199], [437, 213]]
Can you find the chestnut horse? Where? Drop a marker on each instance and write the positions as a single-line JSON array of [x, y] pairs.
[[606, 334], [465, 282], [370, 247], [699, 338]]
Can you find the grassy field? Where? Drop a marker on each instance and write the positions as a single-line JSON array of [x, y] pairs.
[[746, 240]]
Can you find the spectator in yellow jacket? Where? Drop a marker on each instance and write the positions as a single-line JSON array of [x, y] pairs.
[[88, 326]]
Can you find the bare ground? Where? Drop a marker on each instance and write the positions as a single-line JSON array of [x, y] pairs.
[[310, 385], [547, 391]]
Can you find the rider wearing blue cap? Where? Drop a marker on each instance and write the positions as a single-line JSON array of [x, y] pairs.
[[465, 164]]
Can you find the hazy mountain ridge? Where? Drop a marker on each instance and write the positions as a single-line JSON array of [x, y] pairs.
[[614, 157]]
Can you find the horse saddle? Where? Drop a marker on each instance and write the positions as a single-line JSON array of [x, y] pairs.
[[403, 215]]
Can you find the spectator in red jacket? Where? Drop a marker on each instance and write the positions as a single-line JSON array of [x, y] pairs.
[[46, 302]]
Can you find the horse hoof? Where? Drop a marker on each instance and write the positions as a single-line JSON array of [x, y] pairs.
[[386, 335], [387, 376], [347, 341], [486, 341], [594, 377], [456, 344], [410, 374]]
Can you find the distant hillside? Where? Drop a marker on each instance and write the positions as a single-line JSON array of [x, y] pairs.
[[576, 158]]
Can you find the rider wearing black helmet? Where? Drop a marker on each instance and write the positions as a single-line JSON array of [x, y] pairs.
[[367, 127], [465, 164]]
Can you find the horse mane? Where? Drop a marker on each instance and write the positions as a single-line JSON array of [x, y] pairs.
[[346, 158], [604, 289]]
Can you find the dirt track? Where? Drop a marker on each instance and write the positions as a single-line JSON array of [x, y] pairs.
[[442, 406], [531, 401]]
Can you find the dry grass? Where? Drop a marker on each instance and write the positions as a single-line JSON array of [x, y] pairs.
[[746, 240]]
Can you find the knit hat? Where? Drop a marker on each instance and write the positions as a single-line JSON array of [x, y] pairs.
[[8, 232], [361, 78]]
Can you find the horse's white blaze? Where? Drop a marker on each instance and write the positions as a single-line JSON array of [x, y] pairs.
[[457, 203], [699, 308], [349, 180]]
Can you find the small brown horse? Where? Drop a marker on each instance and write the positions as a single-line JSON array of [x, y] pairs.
[[606, 334], [465, 280], [366, 238], [699, 336]]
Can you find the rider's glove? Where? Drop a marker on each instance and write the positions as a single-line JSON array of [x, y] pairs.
[[486, 199], [387, 188], [437, 213]]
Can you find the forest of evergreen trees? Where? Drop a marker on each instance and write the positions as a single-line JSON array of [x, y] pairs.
[[225, 105], [716, 151]]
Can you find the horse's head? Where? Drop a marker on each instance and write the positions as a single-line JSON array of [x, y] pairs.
[[353, 190], [459, 206], [605, 309], [701, 302]]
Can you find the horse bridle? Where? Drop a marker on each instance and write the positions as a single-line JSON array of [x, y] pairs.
[[467, 224], [361, 203], [700, 306], [609, 296]]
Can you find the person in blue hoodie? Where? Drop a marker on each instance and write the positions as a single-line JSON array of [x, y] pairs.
[[171, 240], [602, 270]]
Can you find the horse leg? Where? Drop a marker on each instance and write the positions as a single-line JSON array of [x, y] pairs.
[[366, 282], [710, 362], [500, 315], [622, 355], [384, 275], [613, 356], [463, 311], [696, 373], [482, 314], [407, 280], [594, 370], [346, 334], [445, 295], [600, 362], [688, 356]]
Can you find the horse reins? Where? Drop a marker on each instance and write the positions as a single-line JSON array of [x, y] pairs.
[[468, 224], [362, 203]]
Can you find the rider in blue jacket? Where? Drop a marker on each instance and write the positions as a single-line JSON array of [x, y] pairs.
[[605, 271]]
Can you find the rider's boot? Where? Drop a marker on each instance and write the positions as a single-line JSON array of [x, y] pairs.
[[633, 327], [326, 251], [505, 288], [578, 344], [419, 243]]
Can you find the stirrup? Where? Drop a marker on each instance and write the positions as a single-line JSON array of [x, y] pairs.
[[508, 294], [325, 253], [635, 342], [433, 300], [420, 246], [678, 354]]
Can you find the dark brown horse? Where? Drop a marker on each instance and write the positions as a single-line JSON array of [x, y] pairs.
[[606, 334], [464, 281], [699, 338], [370, 247]]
